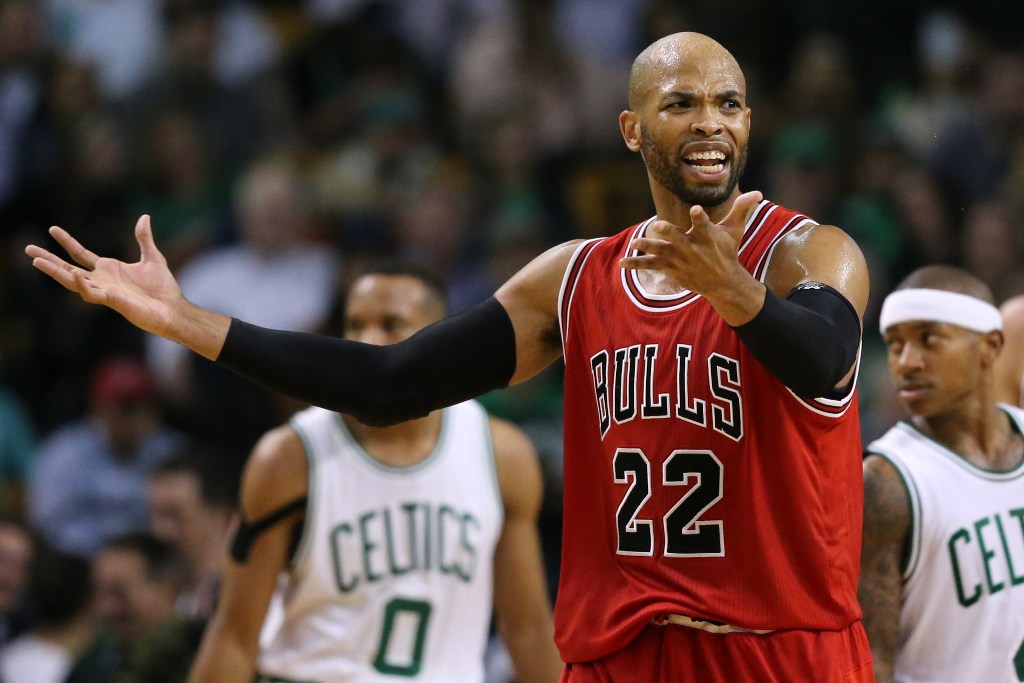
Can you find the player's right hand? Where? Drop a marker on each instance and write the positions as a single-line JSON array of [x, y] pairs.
[[145, 293]]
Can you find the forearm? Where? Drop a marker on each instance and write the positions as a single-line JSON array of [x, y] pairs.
[[223, 658], [198, 329], [883, 670], [738, 300], [451, 361], [531, 647]]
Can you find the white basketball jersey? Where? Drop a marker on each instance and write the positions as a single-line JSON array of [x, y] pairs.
[[393, 577], [962, 615]]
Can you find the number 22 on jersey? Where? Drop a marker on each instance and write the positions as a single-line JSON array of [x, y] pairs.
[[686, 533]]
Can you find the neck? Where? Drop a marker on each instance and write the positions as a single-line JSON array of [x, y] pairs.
[[981, 434], [401, 445], [671, 208]]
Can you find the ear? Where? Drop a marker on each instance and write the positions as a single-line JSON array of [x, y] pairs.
[[629, 126], [992, 346]]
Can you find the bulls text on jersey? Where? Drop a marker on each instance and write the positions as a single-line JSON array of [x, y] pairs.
[[623, 393]]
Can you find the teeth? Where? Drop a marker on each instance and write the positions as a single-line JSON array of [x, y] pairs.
[[714, 168], [707, 156]]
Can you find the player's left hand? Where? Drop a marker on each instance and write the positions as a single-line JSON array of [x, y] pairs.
[[702, 258], [145, 293]]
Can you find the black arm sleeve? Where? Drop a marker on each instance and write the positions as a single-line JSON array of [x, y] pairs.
[[448, 362], [808, 341]]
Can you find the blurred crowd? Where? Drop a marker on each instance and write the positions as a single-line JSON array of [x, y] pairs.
[[280, 144]]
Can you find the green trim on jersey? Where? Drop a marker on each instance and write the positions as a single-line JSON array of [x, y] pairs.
[[265, 678], [982, 472], [493, 462], [916, 525], [302, 550], [405, 470]]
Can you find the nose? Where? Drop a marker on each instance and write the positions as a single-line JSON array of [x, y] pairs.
[[910, 358], [707, 122]]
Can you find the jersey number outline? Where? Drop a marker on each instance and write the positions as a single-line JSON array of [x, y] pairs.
[[419, 610], [686, 534]]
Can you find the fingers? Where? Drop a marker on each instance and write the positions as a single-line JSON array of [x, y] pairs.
[[87, 289], [144, 236], [76, 251], [642, 262], [741, 209], [54, 266], [699, 219], [649, 245], [651, 256]]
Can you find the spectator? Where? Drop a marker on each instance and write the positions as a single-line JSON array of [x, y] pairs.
[[88, 481], [136, 578], [276, 228], [184, 190], [17, 441], [15, 559], [22, 50], [192, 503], [991, 248], [242, 107], [64, 627]]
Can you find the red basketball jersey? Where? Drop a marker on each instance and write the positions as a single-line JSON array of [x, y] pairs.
[[695, 482]]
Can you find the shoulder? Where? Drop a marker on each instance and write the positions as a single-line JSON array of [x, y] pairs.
[[542, 277], [813, 240], [515, 458], [823, 253], [276, 473]]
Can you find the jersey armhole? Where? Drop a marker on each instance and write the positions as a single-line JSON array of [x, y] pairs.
[[836, 402], [568, 288], [492, 460], [300, 545], [912, 553]]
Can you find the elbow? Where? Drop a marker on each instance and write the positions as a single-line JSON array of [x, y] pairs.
[[819, 376], [390, 402]]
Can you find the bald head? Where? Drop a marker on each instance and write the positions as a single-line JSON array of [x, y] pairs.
[[675, 52]]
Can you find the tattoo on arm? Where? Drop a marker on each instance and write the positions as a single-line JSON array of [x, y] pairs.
[[887, 526]]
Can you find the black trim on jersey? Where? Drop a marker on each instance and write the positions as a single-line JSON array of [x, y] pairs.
[[247, 533]]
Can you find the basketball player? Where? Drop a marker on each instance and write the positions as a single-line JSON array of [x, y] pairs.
[[713, 487], [1010, 364], [942, 580], [388, 537]]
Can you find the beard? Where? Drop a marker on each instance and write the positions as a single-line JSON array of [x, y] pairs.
[[666, 168]]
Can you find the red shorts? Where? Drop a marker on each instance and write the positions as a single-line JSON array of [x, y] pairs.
[[679, 654]]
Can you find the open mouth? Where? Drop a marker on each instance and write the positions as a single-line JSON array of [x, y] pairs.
[[707, 162]]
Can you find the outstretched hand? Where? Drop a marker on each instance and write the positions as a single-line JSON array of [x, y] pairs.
[[145, 293], [701, 258]]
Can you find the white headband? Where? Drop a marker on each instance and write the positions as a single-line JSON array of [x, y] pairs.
[[935, 305]]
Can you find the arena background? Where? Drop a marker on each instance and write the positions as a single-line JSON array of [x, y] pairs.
[[469, 135]]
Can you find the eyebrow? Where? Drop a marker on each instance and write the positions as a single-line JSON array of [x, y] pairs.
[[730, 94]]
